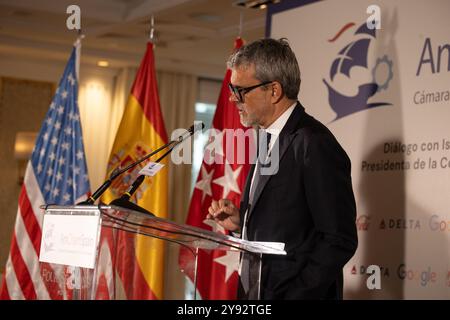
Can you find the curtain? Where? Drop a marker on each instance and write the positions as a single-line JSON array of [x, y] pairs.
[[178, 94]]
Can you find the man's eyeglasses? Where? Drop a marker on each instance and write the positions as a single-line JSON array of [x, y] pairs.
[[239, 92]]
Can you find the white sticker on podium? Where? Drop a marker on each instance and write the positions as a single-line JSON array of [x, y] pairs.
[[70, 239], [151, 169]]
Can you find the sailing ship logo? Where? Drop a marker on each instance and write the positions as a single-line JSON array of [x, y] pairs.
[[354, 56]]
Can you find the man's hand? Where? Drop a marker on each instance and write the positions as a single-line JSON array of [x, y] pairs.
[[225, 213]]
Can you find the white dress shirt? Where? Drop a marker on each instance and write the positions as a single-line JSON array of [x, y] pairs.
[[274, 129]]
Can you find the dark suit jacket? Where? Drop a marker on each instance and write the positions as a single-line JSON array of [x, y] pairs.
[[309, 205]]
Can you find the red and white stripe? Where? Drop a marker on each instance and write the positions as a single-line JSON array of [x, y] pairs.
[[25, 277], [105, 283]]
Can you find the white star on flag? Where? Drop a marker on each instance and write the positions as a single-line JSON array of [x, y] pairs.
[[229, 180], [68, 131], [57, 125], [80, 155], [231, 262], [71, 79], [205, 184], [65, 146], [58, 176], [55, 192], [66, 197]]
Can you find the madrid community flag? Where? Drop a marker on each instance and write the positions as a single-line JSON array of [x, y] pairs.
[[55, 174], [217, 275], [140, 259]]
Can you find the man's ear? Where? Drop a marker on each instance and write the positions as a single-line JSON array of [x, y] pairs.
[[277, 91]]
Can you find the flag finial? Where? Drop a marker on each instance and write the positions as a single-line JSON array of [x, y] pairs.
[[79, 38], [152, 28]]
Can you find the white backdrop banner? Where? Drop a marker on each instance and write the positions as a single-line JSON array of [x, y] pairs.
[[385, 94]]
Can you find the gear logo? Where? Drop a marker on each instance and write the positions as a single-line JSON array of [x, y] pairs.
[[351, 60], [376, 73]]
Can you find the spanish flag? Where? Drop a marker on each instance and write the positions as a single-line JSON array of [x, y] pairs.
[[140, 259]]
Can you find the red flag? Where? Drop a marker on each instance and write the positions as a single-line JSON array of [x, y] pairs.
[[217, 275]]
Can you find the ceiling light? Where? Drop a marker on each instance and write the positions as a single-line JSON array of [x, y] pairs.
[[103, 63], [255, 4]]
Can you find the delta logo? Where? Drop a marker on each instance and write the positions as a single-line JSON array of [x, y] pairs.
[[411, 224], [362, 270], [363, 222], [353, 79]]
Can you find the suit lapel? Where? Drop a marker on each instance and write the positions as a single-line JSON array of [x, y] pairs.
[[285, 138]]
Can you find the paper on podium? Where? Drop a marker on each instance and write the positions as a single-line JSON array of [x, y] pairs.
[[278, 246], [262, 246]]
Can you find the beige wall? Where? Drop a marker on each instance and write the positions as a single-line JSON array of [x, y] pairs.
[[23, 105]]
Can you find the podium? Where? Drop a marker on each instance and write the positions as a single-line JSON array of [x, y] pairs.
[[71, 234]]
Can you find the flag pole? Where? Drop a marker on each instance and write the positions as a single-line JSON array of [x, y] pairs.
[[152, 29], [77, 45]]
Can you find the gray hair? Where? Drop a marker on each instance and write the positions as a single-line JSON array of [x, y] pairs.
[[274, 60]]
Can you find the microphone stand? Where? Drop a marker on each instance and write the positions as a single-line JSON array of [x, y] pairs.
[[117, 172], [124, 200]]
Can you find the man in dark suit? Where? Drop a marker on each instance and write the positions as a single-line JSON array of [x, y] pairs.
[[307, 200]]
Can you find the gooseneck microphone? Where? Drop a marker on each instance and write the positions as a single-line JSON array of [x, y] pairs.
[[124, 200], [118, 170]]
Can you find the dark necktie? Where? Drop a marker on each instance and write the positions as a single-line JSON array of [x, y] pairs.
[[263, 151]]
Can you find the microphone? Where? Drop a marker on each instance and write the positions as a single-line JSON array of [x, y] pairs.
[[124, 200], [118, 170]]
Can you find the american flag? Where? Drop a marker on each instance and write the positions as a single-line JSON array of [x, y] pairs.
[[55, 174]]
